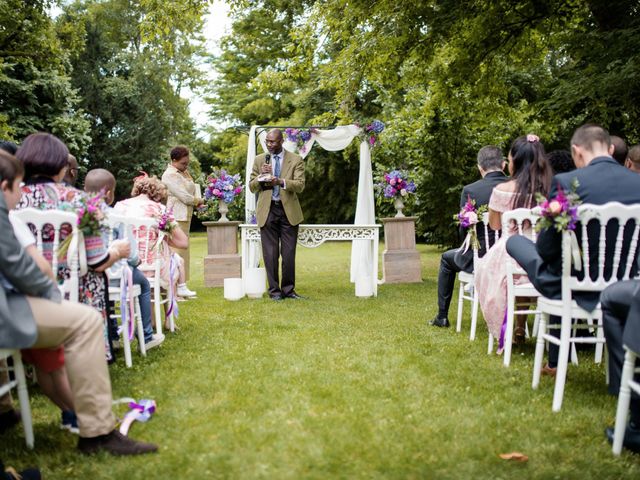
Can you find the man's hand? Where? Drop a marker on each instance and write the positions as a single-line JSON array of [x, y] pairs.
[[266, 168], [276, 181]]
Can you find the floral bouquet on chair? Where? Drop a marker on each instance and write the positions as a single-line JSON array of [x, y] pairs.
[[560, 212], [469, 216], [90, 218]]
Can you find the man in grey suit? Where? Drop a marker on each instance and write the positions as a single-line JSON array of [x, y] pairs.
[[490, 164], [600, 180], [33, 315]]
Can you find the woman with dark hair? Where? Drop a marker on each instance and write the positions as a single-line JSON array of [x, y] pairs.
[[183, 197], [45, 160], [530, 174]]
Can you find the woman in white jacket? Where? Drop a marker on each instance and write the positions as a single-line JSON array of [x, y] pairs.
[[183, 196]]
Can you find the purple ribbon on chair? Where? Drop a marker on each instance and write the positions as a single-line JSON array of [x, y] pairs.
[[141, 412], [173, 303], [503, 331]]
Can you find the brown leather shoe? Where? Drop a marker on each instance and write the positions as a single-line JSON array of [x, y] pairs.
[[114, 443], [549, 371]]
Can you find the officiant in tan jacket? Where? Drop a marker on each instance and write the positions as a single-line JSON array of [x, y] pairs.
[[279, 213], [183, 195]]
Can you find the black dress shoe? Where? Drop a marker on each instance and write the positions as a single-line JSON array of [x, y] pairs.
[[276, 298], [631, 439], [440, 322], [114, 443], [295, 296], [9, 419]]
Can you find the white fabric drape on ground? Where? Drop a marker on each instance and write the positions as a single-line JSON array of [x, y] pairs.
[[332, 140]]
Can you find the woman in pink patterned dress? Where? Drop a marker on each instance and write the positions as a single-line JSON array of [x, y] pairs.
[[146, 200], [45, 160], [530, 174]]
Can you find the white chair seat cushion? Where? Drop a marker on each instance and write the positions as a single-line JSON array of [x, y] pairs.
[[116, 291], [526, 290], [465, 277]]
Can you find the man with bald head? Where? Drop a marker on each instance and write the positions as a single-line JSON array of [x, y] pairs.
[[101, 180], [278, 212]]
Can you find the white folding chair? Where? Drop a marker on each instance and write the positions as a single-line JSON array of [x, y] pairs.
[[613, 215], [57, 221], [21, 383], [142, 228], [117, 222], [466, 289], [525, 221]]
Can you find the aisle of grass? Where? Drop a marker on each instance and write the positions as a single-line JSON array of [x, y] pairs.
[[338, 386]]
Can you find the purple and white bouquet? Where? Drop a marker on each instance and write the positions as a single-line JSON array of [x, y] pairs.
[[560, 212], [469, 216], [90, 217], [299, 136], [396, 183], [223, 186]]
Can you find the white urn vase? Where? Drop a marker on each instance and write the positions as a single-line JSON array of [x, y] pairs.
[[399, 205], [223, 209]]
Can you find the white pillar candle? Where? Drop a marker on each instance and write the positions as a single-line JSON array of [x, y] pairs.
[[233, 289], [255, 282]]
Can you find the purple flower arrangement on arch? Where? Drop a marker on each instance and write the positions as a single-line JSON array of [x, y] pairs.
[[372, 130], [299, 136]]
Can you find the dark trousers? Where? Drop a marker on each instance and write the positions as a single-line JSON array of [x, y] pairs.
[[616, 302], [446, 281], [523, 251], [279, 239]]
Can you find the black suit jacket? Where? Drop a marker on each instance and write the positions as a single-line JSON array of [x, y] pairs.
[[603, 180], [479, 191]]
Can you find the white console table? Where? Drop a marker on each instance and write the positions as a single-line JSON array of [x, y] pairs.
[[312, 236]]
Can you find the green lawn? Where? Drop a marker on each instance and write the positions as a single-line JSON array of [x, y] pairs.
[[338, 386]]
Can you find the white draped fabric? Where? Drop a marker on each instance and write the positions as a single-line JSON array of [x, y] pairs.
[[332, 140]]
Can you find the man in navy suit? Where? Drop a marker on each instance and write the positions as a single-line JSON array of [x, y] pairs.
[[491, 164], [600, 180], [621, 319]]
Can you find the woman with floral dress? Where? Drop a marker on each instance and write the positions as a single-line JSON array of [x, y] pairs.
[[45, 160], [530, 174]]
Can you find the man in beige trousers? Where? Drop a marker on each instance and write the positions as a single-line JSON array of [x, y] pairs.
[[33, 315]]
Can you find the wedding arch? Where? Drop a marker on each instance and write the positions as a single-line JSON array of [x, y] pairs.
[[363, 233]]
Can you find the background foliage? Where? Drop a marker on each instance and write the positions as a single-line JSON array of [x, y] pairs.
[[446, 76]]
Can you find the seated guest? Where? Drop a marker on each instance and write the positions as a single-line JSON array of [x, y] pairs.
[[490, 165], [561, 161], [621, 318], [8, 147], [98, 180], [530, 174], [45, 160], [618, 149], [633, 159], [33, 315], [71, 177], [147, 197], [48, 363], [600, 180]]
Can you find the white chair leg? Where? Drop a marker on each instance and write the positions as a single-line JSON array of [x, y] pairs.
[[539, 355], [474, 316], [563, 361], [23, 397], [490, 344], [140, 327], [125, 322], [599, 345], [623, 402], [536, 325], [157, 310], [460, 304]]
